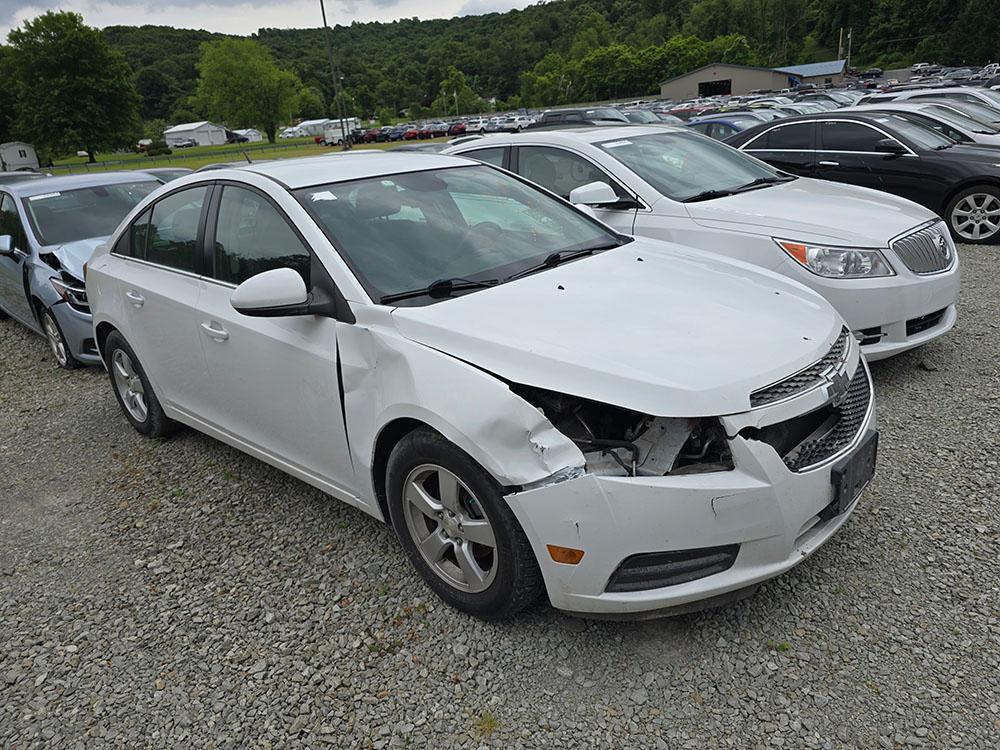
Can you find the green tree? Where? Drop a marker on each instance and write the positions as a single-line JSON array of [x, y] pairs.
[[240, 84], [311, 106], [455, 95], [72, 90]]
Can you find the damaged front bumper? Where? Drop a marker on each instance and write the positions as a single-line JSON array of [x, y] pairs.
[[726, 530]]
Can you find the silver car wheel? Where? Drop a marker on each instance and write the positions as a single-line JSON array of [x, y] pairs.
[[449, 528], [129, 386], [54, 338], [976, 216]]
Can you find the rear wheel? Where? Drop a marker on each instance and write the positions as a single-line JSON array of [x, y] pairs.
[[57, 342], [974, 215], [456, 528], [132, 389]]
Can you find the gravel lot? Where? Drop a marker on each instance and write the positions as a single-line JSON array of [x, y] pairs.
[[180, 594]]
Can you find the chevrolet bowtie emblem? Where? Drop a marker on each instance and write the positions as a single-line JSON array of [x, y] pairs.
[[839, 383]]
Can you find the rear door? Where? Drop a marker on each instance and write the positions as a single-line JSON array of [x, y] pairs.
[[846, 153], [789, 147], [13, 268], [159, 271], [274, 382]]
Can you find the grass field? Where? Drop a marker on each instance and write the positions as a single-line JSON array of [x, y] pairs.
[[199, 156]]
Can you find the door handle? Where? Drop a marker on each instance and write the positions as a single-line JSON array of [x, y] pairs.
[[135, 298], [829, 163], [219, 334]]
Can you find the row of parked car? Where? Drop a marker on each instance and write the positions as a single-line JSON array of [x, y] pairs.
[[499, 348]]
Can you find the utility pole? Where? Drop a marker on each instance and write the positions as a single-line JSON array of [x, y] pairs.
[[850, 33], [337, 89], [840, 45]]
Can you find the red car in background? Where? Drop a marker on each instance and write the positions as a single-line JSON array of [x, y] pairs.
[[412, 133], [371, 135], [425, 131], [457, 128]]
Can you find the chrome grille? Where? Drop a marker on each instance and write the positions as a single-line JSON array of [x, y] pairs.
[[850, 412], [927, 250], [803, 380]]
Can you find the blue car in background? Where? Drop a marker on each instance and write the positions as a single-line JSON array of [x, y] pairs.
[[724, 124], [48, 229]]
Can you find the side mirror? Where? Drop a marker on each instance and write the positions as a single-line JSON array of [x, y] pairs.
[[6, 245], [593, 194], [275, 293], [889, 146]]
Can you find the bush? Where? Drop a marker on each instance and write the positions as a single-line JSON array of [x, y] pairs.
[[158, 148]]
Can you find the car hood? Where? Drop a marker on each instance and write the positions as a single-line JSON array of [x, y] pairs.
[[73, 255], [814, 211], [653, 327], [978, 152]]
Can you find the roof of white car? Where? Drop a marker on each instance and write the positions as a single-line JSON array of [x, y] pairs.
[[595, 134], [26, 188], [341, 167]]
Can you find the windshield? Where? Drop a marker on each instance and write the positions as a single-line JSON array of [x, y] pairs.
[[963, 121], [641, 115], [993, 96], [605, 114], [921, 135], [406, 231], [84, 213], [980, 112], [682, 165]]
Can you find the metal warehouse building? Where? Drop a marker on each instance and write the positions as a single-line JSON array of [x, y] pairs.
[[204, 133], [725, 78]]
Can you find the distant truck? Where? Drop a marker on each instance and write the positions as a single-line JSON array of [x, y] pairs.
[[334, 136], [17, 156]]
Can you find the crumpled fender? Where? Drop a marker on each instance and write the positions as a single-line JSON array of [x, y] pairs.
[[507, 436]]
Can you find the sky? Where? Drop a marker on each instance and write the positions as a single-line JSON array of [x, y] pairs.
[[241, 17]]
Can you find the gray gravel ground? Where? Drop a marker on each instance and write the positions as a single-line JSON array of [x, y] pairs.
[[180, 594]]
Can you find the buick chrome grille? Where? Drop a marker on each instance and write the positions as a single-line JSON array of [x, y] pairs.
[[925, 251]]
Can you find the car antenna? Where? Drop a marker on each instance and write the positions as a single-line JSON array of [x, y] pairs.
[[247, 157]]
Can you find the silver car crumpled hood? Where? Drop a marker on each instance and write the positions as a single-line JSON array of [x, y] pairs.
[[73, 255], [814, 211], [677, 333]]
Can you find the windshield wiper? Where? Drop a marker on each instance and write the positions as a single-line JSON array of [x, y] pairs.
[[554, 259], [707, 195], [761, 181], [943, 146], [440, 289]]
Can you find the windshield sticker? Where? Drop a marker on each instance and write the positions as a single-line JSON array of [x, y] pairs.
[[616, 144], [324, 195], [43, 196]]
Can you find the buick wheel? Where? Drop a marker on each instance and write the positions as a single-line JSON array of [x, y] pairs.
[[132, 389], [57, 342], [974, 215], [457, 530]]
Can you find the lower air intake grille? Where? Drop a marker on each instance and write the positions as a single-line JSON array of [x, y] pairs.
[[923, 323], [654, 570], [926, 250], [803, 380], [848, 418]]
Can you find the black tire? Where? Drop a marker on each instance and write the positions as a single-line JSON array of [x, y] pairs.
[[156, 423], [987, 195], [3, 315], [517, 581], [55, 338]]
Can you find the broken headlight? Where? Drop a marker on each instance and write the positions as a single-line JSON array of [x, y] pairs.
[[72, 291], [617, 441]]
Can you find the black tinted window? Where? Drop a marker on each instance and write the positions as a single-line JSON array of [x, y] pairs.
[[797, 136], [10, 223], [252, 237], [173, 230], [138, 236], [492, 156], [558, 170], [849, 136]]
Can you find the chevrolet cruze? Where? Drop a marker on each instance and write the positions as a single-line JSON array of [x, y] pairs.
[[534, 401]]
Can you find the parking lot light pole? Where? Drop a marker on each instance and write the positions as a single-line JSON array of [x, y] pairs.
[[337, 78]]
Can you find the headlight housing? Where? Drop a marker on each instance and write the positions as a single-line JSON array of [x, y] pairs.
[[72, 291], [838, 262]]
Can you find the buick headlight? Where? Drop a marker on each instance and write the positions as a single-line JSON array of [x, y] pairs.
[[838, 262]]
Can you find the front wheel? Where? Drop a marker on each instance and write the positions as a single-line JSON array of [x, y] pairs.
[[133, 391], [456, 528], [974, 215], [57, 342]]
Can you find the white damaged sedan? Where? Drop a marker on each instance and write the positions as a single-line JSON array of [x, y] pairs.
[[534, 401]]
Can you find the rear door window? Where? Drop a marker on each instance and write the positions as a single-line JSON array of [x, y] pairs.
[[492, 156], [793, 137], [173, 230]]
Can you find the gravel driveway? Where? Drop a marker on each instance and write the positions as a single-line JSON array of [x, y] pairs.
[[180, 594]]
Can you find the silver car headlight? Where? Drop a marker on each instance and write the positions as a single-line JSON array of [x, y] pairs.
[[837, 262]]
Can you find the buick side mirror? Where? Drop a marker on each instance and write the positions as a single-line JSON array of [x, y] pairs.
[[889, 146], [593, 194], [270, 294], [6, 245]]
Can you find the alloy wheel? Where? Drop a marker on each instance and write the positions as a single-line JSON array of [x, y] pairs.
[[129, 385], [449, 528], [55, 339], [976, 216]]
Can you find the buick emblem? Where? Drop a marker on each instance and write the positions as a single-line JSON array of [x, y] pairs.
[[942, 245], [839, 383]]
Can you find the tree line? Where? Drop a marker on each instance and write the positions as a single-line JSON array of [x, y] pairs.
[[98, 89]]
